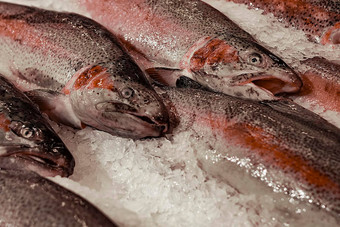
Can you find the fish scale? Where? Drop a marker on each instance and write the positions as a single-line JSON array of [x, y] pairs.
[[30, 200]]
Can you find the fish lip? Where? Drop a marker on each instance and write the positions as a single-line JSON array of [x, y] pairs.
[[42, 158], [290, 83], [162, 126]]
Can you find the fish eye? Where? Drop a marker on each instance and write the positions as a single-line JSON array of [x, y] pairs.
[[27, 132], [255, 59], [127, 92]]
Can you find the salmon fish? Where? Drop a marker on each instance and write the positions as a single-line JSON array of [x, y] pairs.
[[319, 19], [77, 72], [191, 38], [321, 82], [27, 141], [276, 142], [30, 200]]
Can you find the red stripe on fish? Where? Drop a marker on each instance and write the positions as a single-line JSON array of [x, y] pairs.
[[270, 151], [317, 89], [4, 122], [214, 52]]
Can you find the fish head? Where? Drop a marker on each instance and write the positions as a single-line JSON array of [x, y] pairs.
[[28, 142], [126, 106], [242, 63]]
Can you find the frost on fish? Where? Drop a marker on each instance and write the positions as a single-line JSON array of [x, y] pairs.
[[78, 72], [285, 146], [27, 141], [320, 19], [191, 38]]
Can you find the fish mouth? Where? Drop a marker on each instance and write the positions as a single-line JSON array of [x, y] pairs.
[[277, 85], [44, 161], [133, 123]]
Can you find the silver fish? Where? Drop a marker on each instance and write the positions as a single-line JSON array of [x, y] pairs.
[[191, 38], [30, 200], [77, 72], [27, 141], [284, 146]]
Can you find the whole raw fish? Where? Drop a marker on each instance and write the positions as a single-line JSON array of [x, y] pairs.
[[77, 72], [27, 141], [283, 145], [321, 82], [28, 199], [319, 19], [191, 38]]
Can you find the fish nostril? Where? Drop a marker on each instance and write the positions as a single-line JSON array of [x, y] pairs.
[[164, 128]]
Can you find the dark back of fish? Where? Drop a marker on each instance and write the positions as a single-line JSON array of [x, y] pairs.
[[30, 200]]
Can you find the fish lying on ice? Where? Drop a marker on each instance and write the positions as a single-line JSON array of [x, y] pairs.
[[319, 19], [283, 145], [78, 72], [27, 141], [321, 82], [191, 38], [28, 199]]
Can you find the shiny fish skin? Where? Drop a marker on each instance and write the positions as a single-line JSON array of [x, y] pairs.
[[27, 141], [30, 200], [321, 82], [319, 19], [77, 72], [283, 145], [201, 42]]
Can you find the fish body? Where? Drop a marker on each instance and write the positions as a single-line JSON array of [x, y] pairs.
[[319, 19], [279, 143], [77, 72], [27, 141], [191, 38], [321, 82], [30, 200]]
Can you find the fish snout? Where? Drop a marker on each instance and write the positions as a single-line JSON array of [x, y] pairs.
[[57, 156], [280, 81]]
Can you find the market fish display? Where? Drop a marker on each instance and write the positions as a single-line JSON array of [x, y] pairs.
[[319, 19], [28, 199], [321, 82], [191, 38], [77, 72], [27, 141], [283, 145]]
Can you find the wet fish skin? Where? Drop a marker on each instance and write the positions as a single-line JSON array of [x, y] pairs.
[[27, 141], [73, 67], [321, 79], [199, 40], [319, 19], [30, 200], [282, 145]]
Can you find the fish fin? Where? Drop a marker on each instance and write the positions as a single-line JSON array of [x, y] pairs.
[[56, 105], [186, 82], [164, 76]]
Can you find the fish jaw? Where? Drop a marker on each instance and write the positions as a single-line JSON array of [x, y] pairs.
[[45, 161]]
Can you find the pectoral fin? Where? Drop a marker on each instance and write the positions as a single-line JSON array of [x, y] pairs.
[[56, 105], [164, 76]]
